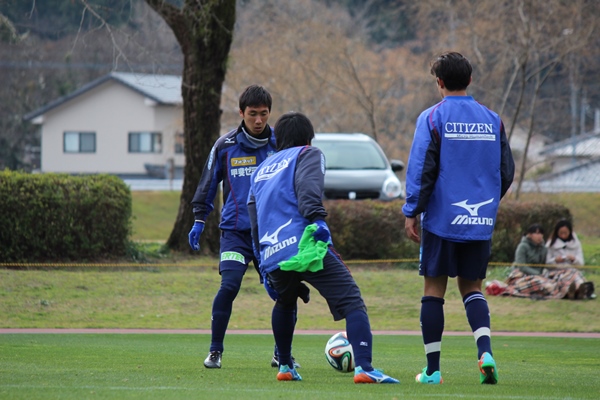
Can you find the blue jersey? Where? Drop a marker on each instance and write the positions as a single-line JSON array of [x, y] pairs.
[[285, 196], [460, 166], [232, 160]]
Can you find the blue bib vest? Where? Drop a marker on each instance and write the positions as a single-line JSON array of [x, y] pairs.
[[279, 228]]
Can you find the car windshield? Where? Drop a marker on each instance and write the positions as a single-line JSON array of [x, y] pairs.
[[350, 155]]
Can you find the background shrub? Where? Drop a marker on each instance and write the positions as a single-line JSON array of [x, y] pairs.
[[375, 230], [58, 217]]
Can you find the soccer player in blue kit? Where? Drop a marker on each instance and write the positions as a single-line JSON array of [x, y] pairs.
[[290, 233], [232, 160], [459, 168]]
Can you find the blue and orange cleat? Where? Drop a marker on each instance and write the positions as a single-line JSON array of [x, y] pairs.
[[488, 373], [375, 376], [288, 374]]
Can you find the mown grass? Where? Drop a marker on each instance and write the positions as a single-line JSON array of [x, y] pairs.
[[154, 213], [161, 366], [181, 297]]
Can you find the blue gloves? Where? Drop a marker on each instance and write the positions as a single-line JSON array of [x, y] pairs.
[[194, 235], [322, 233], [270, 290]]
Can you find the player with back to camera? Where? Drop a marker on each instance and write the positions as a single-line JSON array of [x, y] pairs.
[[232, 159], [459, 168], [290, 233]]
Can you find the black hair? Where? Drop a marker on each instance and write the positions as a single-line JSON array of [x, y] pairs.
[[560, 224], [293, 129], [454, 69], [255, 96], [535, 228]]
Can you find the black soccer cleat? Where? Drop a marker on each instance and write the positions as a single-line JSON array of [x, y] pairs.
[[275, 362], [213, 360]]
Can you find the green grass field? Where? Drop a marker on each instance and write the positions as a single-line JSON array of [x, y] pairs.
[[163, 366], [181, 297]]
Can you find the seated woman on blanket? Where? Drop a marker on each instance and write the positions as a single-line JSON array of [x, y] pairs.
[[564, 250], [530, 278]]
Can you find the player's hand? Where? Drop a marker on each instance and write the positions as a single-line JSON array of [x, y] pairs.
[[194, 235], [270, 289], [412, 229], [322, 233]]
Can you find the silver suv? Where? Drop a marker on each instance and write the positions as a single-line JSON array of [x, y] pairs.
[[357, 168]]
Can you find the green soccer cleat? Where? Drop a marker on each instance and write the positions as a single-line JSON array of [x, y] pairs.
[[375, 376], [433, 379], [488, 373], [288, 374]]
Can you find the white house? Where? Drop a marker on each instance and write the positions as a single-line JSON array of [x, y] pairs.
[[575, 164], [121, 123]]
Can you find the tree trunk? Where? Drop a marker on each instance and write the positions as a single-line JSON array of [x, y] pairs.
[[204, 30]]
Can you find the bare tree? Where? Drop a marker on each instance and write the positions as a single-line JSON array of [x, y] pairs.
[[204, 30], [519, 46], [316, 60]]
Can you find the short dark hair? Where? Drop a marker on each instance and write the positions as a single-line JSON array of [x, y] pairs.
[[454, 69], [293, 129], [255, 96], [535, 228]]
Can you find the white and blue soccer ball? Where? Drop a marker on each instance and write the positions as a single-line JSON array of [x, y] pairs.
[[339, 354]]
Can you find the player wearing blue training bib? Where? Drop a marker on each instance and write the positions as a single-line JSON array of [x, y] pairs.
[[460, 166], [293, 242]]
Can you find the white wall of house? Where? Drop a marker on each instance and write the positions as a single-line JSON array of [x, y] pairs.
[[112, 111]]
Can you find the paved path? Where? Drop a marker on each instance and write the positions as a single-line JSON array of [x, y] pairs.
[[590, 335]]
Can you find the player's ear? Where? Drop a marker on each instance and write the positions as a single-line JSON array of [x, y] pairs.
[[440, 83]]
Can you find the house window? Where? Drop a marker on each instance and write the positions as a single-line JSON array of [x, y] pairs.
[[145, 142], [179, 143], [79, 142]]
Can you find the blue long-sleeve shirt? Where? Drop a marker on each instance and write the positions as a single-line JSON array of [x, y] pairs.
[[232, 160], [459, 168]]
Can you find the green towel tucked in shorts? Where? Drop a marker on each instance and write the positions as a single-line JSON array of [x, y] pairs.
[[310, 253]]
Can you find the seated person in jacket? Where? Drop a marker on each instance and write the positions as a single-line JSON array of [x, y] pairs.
[[531, 278], [531, 250], [564, 247], [564, 251]]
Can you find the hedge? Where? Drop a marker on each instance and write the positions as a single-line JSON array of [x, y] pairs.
[[375, 230], [58, 217]]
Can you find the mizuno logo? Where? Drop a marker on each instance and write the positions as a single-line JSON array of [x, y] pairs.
[[473, 209], [273, 239]]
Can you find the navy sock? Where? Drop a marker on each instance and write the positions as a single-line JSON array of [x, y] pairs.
[[432, 329], [478, 315], [360, 337], [295, 321], [222, 306], [283, 321]]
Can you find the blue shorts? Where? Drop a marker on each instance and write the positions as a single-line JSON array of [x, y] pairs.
[[440, 256], [236, 251], [334, 282]]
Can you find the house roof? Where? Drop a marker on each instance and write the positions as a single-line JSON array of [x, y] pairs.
[[163, 89], [586, 145], [581, 177]]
